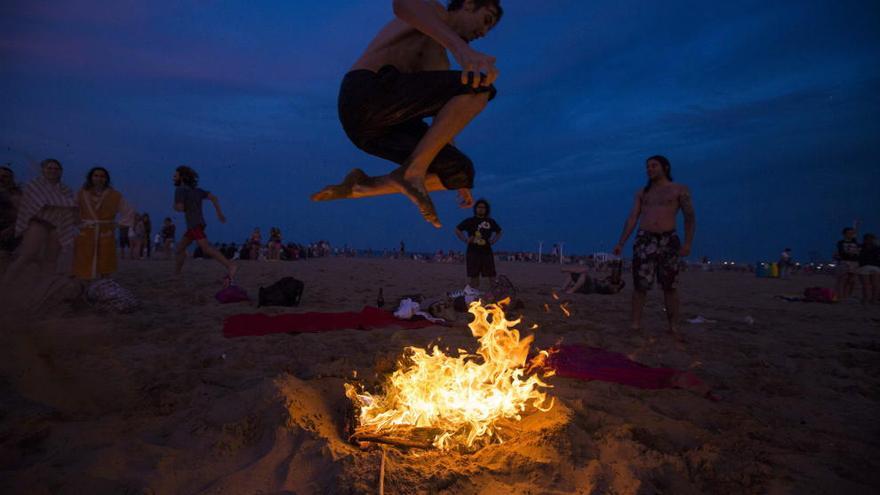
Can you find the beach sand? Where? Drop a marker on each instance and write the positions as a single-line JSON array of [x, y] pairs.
[[159, 402]]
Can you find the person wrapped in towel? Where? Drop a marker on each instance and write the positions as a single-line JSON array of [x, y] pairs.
[[94, 250]]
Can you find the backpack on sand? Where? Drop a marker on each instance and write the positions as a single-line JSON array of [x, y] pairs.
[[285, 292]]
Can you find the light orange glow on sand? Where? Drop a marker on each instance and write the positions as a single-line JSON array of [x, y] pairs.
[[462, 397]]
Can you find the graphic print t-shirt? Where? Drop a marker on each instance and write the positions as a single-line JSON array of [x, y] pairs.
[[481, 229], [848, 250]]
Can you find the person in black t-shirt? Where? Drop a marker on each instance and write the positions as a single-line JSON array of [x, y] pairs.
[[847, 256], [479, 232]]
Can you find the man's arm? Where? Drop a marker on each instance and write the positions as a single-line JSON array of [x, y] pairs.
[[495, 237], [630, 223], [690, 220], [461, 235], [426, 16], [216, 202]]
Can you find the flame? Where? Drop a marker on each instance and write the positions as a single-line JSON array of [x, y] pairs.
[[462, 397], [555, 296]]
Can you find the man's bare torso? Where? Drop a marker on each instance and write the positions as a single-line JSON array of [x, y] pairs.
[[404, 47], [659, 206]]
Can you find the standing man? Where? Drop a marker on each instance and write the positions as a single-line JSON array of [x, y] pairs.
[[188, 198], [404, 77], [479, 232], [657, 248]]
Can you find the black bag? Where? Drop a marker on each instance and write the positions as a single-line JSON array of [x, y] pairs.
[[285, 292]]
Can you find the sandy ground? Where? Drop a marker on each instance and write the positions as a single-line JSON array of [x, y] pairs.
[[159, 402]]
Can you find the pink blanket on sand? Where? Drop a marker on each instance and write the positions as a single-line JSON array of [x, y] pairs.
[[261, 324], [589, 363]]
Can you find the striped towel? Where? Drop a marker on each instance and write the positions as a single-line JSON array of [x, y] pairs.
[[40, 193]]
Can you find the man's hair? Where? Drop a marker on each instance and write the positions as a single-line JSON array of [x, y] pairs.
[[667, 168], [188, 176], [88, 184], [47, 161], [478, 4], [485, 203], [8, 169], [845, 229]]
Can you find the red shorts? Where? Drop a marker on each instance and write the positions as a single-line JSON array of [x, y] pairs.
[[196, 233]]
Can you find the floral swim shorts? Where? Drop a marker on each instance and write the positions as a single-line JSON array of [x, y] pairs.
[[655, 256]]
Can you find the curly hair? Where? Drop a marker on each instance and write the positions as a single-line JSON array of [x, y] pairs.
[[188, 176]]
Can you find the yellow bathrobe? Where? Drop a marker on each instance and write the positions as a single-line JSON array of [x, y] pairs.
[[94, 249]]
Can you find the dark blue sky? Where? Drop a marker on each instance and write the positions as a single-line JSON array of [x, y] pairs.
[[769, 111]]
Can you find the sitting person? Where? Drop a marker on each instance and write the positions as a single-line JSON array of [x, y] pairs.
[[579, 281]]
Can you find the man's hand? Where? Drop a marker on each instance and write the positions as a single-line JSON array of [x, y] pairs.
[[465, 199], [617, 249], [684, 251], [477, 64]]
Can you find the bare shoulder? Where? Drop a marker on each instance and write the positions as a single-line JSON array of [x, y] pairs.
[[683, 190]]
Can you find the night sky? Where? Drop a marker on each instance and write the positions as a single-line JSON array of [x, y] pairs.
[[768, 110]]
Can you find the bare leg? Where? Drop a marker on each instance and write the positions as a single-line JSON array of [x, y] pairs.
[[357, 184], [566, 284], [582, 279], [638, 304], [211, 251], [670, 297], [850, 285], [180, 254], [411, 179], [840, 287], [31, 248]]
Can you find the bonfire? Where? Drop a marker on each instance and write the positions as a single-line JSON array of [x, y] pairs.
[[462, 401]]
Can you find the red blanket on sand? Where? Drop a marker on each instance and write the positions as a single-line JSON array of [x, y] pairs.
[[262, 324], [589, 363]]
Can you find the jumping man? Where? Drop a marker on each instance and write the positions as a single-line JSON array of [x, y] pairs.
[[402, 78]]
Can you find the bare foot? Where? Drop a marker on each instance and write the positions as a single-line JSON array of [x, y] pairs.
[[233, 269], [416, 193], [343, 189]]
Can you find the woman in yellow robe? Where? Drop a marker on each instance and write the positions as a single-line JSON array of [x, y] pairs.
[[94, 249]]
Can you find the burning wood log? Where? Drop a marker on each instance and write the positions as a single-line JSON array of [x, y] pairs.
[[403, 437]]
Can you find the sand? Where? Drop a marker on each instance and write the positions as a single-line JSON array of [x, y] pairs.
[[158, 401]]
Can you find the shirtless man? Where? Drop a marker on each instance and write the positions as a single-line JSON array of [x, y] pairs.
[[404, 77], [657, 248]]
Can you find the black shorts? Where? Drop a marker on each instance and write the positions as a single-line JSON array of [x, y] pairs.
[[382, 113], [480, 263]]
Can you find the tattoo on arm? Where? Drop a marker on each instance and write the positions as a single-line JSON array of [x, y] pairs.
[[687, 207]]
